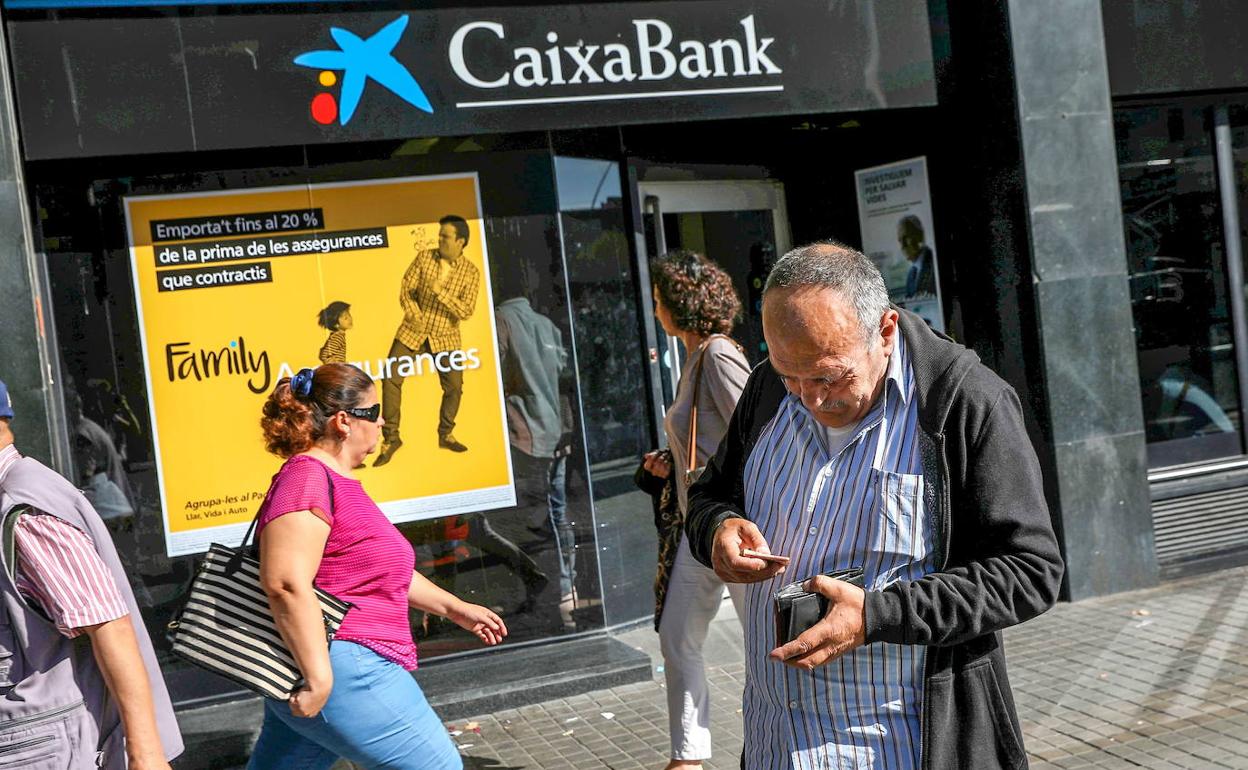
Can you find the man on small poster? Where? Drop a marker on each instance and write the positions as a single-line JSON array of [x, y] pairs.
[[921, 278], [898, 234]]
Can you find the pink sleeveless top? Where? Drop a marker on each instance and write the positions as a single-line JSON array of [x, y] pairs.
[[367, 561]]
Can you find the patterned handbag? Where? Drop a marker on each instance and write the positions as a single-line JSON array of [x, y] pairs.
[[227, 627]]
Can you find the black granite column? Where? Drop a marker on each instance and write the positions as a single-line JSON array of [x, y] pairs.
[[21, 342], [1040, 243]]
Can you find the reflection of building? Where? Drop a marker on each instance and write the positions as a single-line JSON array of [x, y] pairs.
[[1100, 283]]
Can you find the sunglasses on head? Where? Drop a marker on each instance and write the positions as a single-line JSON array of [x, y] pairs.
[[370, 413]]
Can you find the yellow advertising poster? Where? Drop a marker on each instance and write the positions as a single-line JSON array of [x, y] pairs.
[[238, 289]]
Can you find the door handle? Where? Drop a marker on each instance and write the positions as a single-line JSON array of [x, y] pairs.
[[660, 234], [655, 207]]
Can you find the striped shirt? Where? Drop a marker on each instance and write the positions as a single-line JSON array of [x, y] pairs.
[[862, 506], [335, 348], [59, 570]]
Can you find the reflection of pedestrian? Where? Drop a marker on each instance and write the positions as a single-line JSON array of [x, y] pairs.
[[114, 509], [101, 447], [103, 494], [68, 587], [439, 290], [489, 541], [1176, 406], [921, 279], [336, 317], [112, 411], [534, 363]]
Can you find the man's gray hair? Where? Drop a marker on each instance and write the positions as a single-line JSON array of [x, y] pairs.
[[833, 265]]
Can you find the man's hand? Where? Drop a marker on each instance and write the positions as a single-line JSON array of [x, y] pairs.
[[732, 536], [412, 311], [842, 630]]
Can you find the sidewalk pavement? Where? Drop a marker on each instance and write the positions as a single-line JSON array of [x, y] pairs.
[[1154, 679]]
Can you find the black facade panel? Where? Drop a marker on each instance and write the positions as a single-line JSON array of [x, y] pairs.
[[1162, 46], [222, 82], [102, 87]]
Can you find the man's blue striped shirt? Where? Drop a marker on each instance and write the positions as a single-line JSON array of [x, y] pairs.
[[861, 507]]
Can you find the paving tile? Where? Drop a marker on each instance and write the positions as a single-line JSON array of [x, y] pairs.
[[1097, 686]]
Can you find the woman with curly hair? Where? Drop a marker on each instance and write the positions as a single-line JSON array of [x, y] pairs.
[[695, 301], [317, 526]]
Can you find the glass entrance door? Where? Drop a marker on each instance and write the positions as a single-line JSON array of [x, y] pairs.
[[742, 225]]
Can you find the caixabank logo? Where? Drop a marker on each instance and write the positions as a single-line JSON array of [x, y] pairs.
[[493, 66], [360, 60]]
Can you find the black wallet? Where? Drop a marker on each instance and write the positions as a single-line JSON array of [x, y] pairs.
[[798, 609]]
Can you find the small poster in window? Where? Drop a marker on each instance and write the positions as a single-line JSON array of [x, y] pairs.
[[895, 215], [238, 289]]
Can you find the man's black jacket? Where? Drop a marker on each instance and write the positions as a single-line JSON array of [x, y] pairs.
[[997, 559]]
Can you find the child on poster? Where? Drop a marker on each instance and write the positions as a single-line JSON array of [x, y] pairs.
[[336, 317]]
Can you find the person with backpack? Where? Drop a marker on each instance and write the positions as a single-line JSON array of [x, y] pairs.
[[64, 704]]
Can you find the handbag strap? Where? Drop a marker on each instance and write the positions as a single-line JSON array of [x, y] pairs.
[[242, 547], [697, 389]]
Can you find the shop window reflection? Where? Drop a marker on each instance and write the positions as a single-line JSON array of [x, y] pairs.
[[107, 419], [1238, 115], [522, 561], [610, 363], [1179, 291], [600, 275]]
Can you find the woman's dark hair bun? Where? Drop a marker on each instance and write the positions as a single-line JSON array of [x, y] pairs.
[[293, 423]]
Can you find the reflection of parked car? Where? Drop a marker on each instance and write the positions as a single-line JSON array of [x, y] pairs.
[[1166, 295]]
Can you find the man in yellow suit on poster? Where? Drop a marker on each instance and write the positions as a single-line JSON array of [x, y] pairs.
[[438, 291]]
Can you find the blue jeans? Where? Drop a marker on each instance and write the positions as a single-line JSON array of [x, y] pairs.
[[541, 486], [376, 716], [565, 537]]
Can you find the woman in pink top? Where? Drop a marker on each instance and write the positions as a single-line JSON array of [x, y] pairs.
[[318, 526]]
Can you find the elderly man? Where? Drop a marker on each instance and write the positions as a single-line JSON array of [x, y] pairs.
[[867, 440]]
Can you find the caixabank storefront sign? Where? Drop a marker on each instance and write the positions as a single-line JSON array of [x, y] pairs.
[[108, 86]]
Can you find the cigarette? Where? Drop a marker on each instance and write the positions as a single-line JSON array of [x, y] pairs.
[[751, 553]]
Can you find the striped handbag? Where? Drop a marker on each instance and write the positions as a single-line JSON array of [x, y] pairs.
[[227, 627]]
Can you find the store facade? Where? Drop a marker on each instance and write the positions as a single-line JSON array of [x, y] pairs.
[[578, 141], [1180, 126]]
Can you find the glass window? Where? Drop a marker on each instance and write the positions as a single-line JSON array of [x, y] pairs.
[[534, 563], [1179, 291], [610, 358], [1238, 115]]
